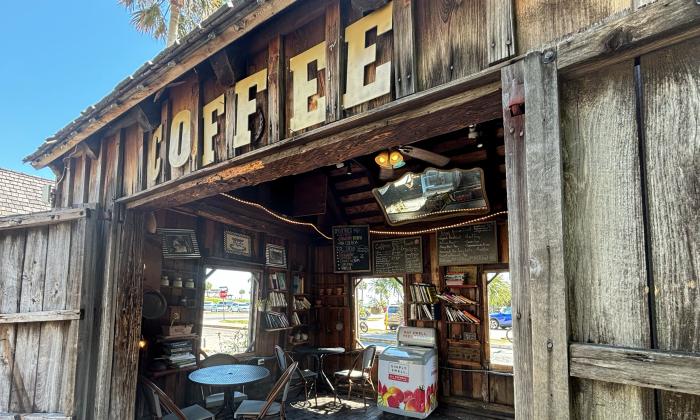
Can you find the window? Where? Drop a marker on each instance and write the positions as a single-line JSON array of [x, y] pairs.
[[500, 318], [379, 309], [229, 313]]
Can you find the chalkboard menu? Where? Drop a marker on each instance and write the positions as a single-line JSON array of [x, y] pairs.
[[398, 256], [351, 252], [474, 244]]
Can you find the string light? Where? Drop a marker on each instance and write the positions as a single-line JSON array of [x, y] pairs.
[[373, 231]]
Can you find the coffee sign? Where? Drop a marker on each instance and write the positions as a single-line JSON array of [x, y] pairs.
[[359, 56]]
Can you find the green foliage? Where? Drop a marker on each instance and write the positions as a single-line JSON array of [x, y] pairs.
[[208, 285], [385, 289], [499, 293]]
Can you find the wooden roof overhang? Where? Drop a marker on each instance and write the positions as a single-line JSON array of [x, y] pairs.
[[426, 114]]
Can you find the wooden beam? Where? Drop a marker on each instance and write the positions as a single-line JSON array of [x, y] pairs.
[[500, 32], [635, 33], [548, 306], [223, 70], [43, 219], [238, 20], [416, 117], [404, 57], [670, 371], [40, 316]]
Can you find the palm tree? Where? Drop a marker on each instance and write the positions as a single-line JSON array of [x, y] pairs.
[[150, 16]]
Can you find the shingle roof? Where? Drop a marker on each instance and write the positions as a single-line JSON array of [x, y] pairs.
[[21, 193]]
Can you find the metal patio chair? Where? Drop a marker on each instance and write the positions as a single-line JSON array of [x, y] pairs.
[[300, 378], [211, 398], [253, 409], [360, 373], [159, 400]]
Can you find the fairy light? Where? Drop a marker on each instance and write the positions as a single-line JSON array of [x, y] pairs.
[[373, 231]]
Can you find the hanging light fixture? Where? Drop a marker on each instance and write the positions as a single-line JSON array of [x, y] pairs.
[[389, 159]]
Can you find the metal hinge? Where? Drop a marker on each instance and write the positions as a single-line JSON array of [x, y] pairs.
[[516, 104]]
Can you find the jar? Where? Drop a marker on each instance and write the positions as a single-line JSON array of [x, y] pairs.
[[189, 284], [177, 282], [164, 281]]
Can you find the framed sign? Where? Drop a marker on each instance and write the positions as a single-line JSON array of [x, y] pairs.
[[179, 243], [433, 194], [351, 249], [398, 256], [275, 256], [237, 244], [474, 244]]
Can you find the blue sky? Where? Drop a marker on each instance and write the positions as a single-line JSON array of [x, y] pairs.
[[59, 57]]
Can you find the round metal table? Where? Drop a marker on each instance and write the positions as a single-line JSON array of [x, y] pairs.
[[228, 377], [320, 353]]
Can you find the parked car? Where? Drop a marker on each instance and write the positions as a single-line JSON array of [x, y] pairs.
[[209, 306], [243, 307], [501, 319], [392, 317]]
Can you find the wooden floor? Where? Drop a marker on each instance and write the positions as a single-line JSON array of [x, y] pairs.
[[354, 410]]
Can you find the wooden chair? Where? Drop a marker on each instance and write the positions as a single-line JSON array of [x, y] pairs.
[[159, 400], [300, 378], [210, 397], [252, 409], [361, 376]]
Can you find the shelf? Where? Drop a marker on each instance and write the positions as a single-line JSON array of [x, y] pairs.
[[463, 323], [464, 363], [277, 329], [161, 373], [303, 294], [300, 326], [163, 338], [269, 267], [464, 343], [425, 320], [278, 290], [463, 286]]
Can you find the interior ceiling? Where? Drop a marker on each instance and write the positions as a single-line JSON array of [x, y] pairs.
[[343, 195]]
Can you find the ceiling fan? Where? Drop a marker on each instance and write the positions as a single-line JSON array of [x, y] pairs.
[[389, 160]]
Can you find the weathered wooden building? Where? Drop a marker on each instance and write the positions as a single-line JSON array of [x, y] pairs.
[[583, 117]]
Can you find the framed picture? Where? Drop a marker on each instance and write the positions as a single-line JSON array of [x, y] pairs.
[[179, 243], [237, 244], [275, 256]]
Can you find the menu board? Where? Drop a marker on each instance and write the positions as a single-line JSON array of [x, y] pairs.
[[398, 256], [475, 244], [351, 251]]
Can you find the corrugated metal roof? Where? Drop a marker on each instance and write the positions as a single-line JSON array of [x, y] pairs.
[[21, 193]]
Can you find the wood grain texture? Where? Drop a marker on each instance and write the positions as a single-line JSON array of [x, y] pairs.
[[542, 21], [548, 306], [404, 60], [672, 167], [334, 59], [500, 32], [41, 219], [676, 372], [516, 176], [450, 40], [604, 232]]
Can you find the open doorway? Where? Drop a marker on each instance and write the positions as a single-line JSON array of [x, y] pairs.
[[228, 318], [500, 319], [379, 310]]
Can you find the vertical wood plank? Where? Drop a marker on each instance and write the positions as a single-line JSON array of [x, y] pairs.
[[672, 164], [275, 89], [548, 307], [12, 246], [79, 176], [516, 183], [50, 366], [97, 176], [404, 60], [27, 340], [499, 30], [604, 233], [334, 77]]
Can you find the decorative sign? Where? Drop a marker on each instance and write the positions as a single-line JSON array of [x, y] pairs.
[[398, 256], [475, 244], [237, 244], [275, 256], [179, 243], [433, 194], [351, 251]]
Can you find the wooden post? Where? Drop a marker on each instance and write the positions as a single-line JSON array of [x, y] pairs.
[[535, 230], [404, 48], [500, 33]]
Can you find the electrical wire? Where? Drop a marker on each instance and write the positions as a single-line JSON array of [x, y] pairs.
[[373, 231]]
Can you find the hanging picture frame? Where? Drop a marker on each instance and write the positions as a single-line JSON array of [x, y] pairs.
[[237, 244], [275, 256], [179, 243]]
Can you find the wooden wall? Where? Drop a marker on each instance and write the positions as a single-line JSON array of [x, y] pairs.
[[631, 151]]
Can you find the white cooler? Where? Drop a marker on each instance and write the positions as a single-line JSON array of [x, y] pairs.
[[408, 374]]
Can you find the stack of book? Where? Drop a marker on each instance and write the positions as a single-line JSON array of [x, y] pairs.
[[455, 299], [423, 311], [276, 300], [277, 281], [302, 303], [455, 315], [178, 354], [453, 278], [276, 320], [295, 319], [423, 293]]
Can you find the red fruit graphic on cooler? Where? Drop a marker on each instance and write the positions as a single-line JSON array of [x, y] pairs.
[[394, 397], [419, 394], [411, 405], [407, 395]]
